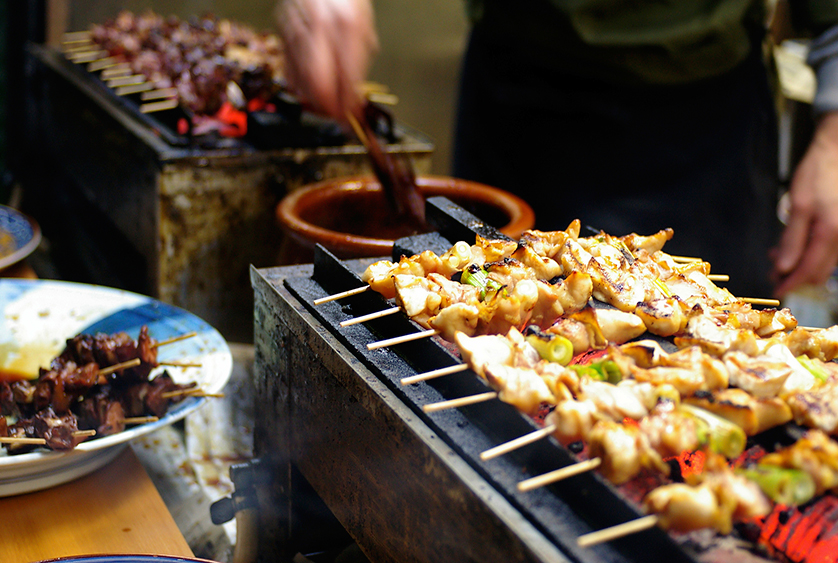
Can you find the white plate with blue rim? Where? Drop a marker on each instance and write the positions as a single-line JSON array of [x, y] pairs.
[[38, 316], [19, 236]]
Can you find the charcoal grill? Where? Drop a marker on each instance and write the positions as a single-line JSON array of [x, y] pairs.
[[338, 434], [129, 201]]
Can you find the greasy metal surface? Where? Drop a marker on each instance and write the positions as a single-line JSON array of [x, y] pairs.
[[182, 224], [396, 486]]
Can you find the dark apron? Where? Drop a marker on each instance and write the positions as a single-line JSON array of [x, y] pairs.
[[701, 159]]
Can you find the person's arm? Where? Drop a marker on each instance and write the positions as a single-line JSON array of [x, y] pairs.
[[329, 47], [808, 249]]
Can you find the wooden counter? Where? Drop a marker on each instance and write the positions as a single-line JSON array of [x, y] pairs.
[[115, 509]]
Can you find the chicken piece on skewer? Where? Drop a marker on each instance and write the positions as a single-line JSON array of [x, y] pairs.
[[752, 414], [662, 317], [817, 407], [550, 243], [521, 387], [761, 376], [717, 499], [624, 449], [686, 370], [593, 329], [817, 343], [491, 250], [379, 274], [815, 454]]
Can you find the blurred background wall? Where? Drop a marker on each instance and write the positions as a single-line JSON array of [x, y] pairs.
[[421, 46]]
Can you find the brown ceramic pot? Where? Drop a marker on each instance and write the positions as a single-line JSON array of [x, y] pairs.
[[351, 218]]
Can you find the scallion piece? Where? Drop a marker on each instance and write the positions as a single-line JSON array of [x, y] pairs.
[[813, 368], [477, 276], [781, 484], [723, 436], [552, 347]]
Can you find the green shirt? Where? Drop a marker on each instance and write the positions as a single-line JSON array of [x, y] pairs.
[[639, 41]]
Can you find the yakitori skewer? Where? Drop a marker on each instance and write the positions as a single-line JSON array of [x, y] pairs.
[[618, 531], [461, 402], [84, 433], [341, 295], [520, 442], [371, 316], [174, 339], [402, 339], [559, 474], [434, 374]]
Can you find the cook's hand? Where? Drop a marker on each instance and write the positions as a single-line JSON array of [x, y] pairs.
[[808, 250], [329, 45]]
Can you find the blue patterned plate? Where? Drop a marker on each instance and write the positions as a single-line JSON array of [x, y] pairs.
[[38, 316], [19, 236]]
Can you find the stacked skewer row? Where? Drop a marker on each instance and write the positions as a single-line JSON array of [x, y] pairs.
[[520, 314]]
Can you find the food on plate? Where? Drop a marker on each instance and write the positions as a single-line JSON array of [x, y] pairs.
[[96, 384], [197, 57]]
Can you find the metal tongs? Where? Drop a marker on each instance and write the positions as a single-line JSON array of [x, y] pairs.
[[393, 172]]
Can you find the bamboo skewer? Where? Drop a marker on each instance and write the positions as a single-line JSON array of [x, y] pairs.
[[22, 440], [102, 64], [25, 440], [191, 392], [158, 94], [618, 531], [162, 105], [402, 339], [718, 277], [559, 474], [140, 419], [761, 301], [384, 99], [174, 339], [512, 445], [76, 36], [134, 89], [117, 71], [685, 259], [434, 374], [341, 295], [87, 56], [180, 364], [371, 316], [116, 367], [461, 402], [130, 80]]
